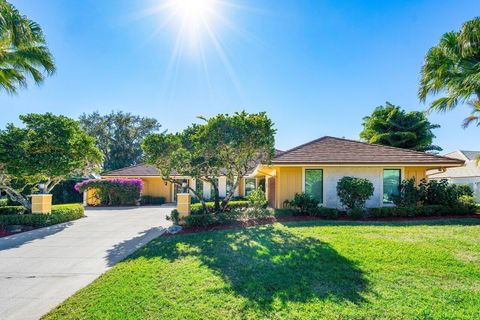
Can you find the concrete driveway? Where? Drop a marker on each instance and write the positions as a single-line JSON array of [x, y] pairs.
[[41, 268]]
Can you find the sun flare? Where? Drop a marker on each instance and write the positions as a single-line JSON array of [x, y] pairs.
[[195, 16]]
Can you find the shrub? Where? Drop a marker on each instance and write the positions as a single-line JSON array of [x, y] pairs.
[[257, 198], [464, 190], [409, 194], [150, 200], [174, 216], [3, 202], [60, 213], [232, 205], [200, 220], [114, 192], [438, 192], [303, 203], [13, 210], [356, 213], [421, 211], [354, 192], [464, 199], [328, 213]]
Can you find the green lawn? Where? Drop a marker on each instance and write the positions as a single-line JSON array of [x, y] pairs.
[[308, 270]]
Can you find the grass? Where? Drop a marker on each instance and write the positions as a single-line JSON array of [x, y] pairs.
[[301, 270]]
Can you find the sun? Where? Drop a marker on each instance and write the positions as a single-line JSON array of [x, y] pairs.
[[195, 16]]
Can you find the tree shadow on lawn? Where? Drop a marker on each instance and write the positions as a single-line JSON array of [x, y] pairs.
[[268, 265]]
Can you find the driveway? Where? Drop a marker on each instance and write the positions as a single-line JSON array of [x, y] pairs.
[[41, 268]]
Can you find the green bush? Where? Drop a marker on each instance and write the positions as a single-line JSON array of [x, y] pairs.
[[285, 212], [232, 205], [150, 200], [464, 190], [327, 213], [174, 216], [354, 192], [3, 202], [200, 220], [257, 198], [303, 203], [409, 194], [13, 210], [421, 211], [60, 213], [465, 199], [356, 213]]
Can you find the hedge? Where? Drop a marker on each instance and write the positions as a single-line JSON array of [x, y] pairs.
[[232, 205], [422, 211], [60, 213], [150, 200]]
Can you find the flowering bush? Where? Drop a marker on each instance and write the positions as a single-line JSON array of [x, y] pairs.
[[114, 192]]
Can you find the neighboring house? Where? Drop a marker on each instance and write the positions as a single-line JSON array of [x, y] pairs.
[[315, 168], [468, 174]]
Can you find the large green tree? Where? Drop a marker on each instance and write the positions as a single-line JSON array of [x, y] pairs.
[[224, 145], [119, 136], [389, 125], [48, 149], [23, 50], [452, 68]]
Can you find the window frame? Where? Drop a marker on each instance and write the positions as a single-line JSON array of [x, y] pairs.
[[400, 170], [304, 169]]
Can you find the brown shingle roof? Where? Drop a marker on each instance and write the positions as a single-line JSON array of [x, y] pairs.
[[138, 170], [331, 150]]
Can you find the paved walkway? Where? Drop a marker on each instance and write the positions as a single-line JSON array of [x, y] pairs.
[[41, 268]]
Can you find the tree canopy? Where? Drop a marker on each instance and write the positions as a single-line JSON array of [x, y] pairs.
[[224, 145], [118, 136], [47, 149], [452, 68], [389, 125], [23, 50]]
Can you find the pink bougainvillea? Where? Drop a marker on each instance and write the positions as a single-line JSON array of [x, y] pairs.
[[115, 191]]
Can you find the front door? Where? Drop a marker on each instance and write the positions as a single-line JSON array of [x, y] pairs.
[[271, 192]]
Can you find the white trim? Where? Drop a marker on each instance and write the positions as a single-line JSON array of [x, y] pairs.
[[324, 192]]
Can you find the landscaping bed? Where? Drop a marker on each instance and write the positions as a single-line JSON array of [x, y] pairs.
[[27, 221], [296, 270]]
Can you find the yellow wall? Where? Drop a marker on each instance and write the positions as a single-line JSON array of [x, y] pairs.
[[289, 182], [418, 173], [156, 187]]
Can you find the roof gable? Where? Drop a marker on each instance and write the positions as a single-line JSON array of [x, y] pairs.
[[331, 150]]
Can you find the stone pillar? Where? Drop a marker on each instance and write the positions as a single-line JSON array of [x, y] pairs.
[[42, 203], [183, 204]]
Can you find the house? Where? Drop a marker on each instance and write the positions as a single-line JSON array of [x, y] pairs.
[[469, 174], [315, 168]]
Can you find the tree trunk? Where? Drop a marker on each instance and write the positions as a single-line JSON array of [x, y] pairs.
[[229, 195], [16, 196]]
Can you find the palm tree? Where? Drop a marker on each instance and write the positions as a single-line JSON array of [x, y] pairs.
[[23, 51], [474, 115], [453, 67]]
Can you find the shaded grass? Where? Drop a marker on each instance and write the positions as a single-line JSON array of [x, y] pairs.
[[301, 270]]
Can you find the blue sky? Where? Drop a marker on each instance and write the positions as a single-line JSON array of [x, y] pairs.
[[316, 67]]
